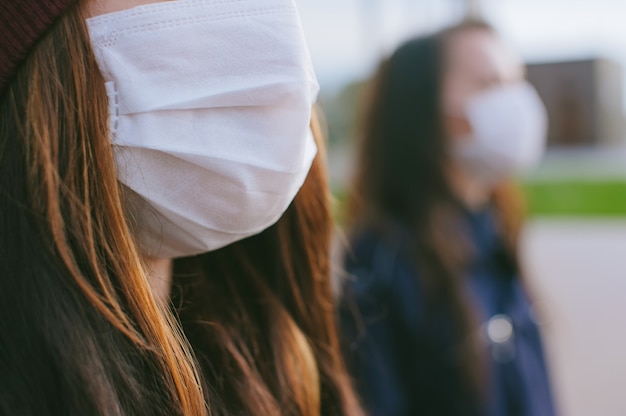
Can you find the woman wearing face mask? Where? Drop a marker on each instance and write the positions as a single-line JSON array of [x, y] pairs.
[[436, 318], [133, 133]]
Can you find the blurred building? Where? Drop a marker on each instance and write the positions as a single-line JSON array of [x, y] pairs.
[[584, 100]]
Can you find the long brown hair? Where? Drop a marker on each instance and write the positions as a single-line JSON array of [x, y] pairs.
[[402, 178], [80, 332], [260, 315]]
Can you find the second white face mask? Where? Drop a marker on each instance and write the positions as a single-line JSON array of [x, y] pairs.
[[509, 127], [210, 104]]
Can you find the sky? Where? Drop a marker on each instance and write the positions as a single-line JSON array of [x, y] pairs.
[[348, 37]]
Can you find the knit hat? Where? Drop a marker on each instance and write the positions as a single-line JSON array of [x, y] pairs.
[[22, 23]]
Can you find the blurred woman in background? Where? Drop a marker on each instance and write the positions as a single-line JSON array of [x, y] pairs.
[[436, 316], [133, 133]]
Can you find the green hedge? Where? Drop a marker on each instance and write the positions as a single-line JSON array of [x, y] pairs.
[[566, 197], [585, 197]]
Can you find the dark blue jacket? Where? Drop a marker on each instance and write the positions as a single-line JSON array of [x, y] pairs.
[[403, 355]]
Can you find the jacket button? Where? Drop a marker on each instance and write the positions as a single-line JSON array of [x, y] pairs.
[[500, 329], [500, 332]]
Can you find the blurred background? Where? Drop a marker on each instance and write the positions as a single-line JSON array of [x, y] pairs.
[[575, 240]]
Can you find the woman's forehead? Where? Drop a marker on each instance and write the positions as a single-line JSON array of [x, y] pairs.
[[100, 7], [481, 52]]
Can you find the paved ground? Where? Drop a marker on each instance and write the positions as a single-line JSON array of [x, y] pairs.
[[578, 271]]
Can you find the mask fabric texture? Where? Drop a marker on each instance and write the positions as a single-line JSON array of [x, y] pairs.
[[509, 127], [209, 106]]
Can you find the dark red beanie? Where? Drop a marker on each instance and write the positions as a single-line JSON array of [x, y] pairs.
[[22, 23]]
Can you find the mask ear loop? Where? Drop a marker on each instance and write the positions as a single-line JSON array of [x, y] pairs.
[[114, 108]]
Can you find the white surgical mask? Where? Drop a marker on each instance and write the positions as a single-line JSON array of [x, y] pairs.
[[210, 103], [509, 129]]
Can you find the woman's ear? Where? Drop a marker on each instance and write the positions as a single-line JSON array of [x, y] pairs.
[[454, 121], [456, 127]]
